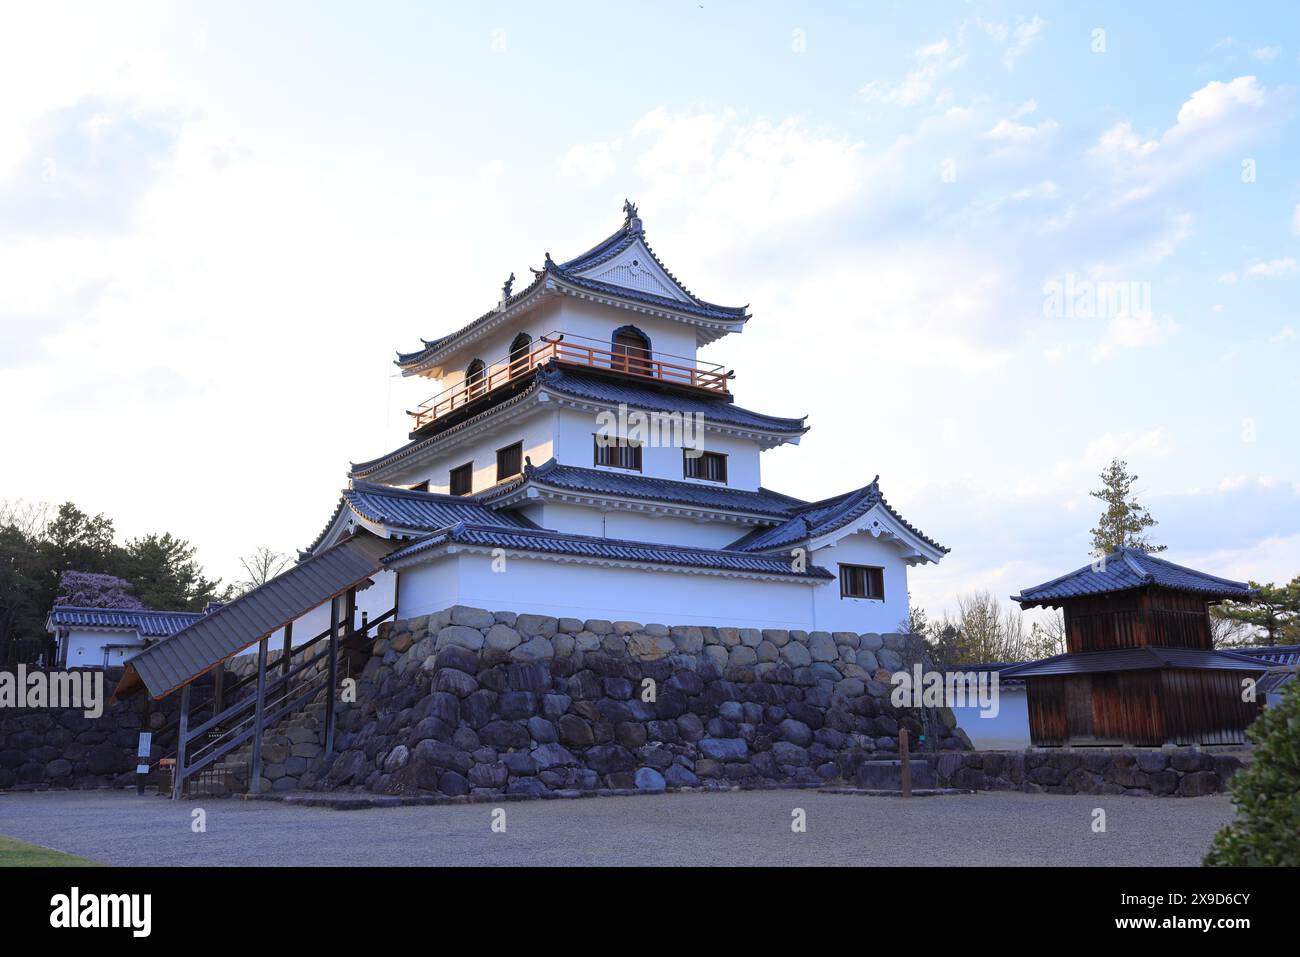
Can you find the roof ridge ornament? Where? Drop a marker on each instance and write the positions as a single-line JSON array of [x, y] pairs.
[[507, 287], [633, 221]]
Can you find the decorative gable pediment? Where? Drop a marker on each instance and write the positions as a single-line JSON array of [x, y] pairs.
[[881, 522], [635, 268]]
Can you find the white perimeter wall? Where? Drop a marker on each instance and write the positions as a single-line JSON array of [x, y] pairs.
[[536, 431], [1007, 731], [574, 445], [862, 548], [634, 594], [575, 318], [86, 647]]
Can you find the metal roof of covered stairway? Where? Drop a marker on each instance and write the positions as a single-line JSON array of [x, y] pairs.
[[178, 660]]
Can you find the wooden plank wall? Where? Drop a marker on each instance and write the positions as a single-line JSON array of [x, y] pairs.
[[1205, 707], [1155, 617], [1139, 708]]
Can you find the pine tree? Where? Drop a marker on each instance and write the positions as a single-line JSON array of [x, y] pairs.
[[1122, 523], [1275, 612]]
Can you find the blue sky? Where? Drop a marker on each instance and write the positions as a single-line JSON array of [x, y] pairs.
[[217, 222]]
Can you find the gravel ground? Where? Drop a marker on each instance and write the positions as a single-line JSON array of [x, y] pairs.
[[731, 828]]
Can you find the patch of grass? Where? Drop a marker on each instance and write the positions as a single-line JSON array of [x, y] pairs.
[[15, 853]]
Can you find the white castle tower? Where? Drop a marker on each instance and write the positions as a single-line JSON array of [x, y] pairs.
[[577, 459]]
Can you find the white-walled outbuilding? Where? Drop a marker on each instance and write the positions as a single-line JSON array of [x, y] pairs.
[[109, 637]]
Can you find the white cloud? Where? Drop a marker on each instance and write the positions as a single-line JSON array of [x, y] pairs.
[[592, 163], [1268, 53], [1023, 38], [1285, 334], [933, 62], [1273, 268], [1127, 331], [1009, 131], [1212, 123]]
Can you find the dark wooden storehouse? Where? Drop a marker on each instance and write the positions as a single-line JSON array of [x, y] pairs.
[[1140, 668]]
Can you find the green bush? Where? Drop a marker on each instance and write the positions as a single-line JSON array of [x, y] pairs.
[[1266, 794]]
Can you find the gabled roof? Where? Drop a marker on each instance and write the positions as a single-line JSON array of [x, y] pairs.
[[607, 549], [149, 623], [572, 478], [1275, 657], [577, 273], [816, 519], [407, 511], [230, 629], [421, 511], [718, 412], [998, 668], [1134, 659], [1124, 570]]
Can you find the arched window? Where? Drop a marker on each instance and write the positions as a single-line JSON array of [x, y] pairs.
[[474, 383], [631, 348], [520, 350]]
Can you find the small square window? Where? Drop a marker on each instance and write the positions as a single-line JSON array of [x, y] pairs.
[[710, 466], [510, 461], [619, 454], [862, 581], [462, 479]]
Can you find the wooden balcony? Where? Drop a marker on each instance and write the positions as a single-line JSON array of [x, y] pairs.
[[573, 351]]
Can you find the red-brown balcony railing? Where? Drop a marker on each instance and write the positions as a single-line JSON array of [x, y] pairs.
[[577, 351]]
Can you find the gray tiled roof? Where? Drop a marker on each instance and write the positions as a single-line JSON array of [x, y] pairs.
[[563, 381], [815, 519], [1126, 569], [573, 478], [408, 510], [1134, 659], [422, 511], [648, 397], [564, 543], [1274, 656], [148, 622], [230, 629], [568, 271]]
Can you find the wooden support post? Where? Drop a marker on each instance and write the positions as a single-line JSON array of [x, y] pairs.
[[350, 613], [219, 689], [288, 649], [182, 731], [259, 715], [906, 768], [331, 690]]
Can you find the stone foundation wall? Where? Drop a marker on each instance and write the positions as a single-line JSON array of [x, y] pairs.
[[1150, 772], [61, 748], [474, 702]]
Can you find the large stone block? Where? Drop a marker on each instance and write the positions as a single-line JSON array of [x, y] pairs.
[[724, 749], [534, 649], [461, 635], [472, 617]]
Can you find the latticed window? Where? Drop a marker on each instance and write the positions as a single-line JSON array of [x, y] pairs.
[[510, 461], [462, 479], [862, 581], [710, 466], [617, 453]]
